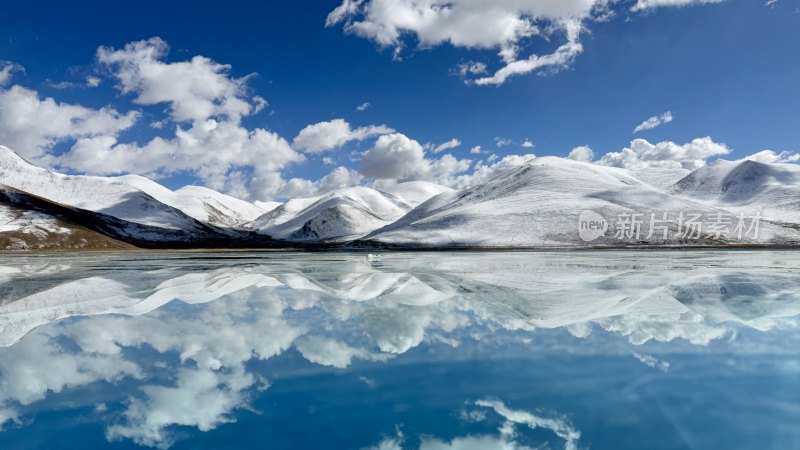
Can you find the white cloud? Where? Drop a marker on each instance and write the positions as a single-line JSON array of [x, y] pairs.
[[467, 69], [506, 438], [502, 25], [527, 143], [340, 177], [582, 153], [502, 142], [363, 106], [32, 125], [484, 171], [393, 156], [332, 353], [397, 157], [509, 27], [652, 361], [38, 365], [7, 70], [770, 157], [202, 398], [324, 136], [654, 121], [207, 106], [642, 5], [92, 81], [211, 150], [195, 90], [449, 145], [642, 154], [476, 150]]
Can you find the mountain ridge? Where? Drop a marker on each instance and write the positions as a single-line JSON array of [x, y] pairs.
[[538, 204]]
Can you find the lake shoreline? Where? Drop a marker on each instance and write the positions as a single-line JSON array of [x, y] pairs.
[[360, 249]]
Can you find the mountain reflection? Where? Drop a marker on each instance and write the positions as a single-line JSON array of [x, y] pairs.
[[183, 333]]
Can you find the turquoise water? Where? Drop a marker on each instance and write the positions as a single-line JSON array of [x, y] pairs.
[[462, 350]]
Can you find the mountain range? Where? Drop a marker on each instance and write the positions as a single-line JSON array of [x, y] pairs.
[[547, 202]]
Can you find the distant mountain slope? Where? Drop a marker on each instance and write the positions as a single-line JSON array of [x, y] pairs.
[[24, 228], [43, 211], [538, 205], [99, 194], [746, 186], [200, 203], [659, 177], [345, 213], [414, 193]]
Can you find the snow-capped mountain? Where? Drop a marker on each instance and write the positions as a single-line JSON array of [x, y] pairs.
[[131, 209], [200, 203], [746, 186], [131, 197], [99, 194], [24, 228], [345, 213], [546, 202], [540, 203]]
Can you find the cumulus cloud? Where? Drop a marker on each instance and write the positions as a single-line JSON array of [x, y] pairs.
[[484, 171], [338, 178], [667, 154], [393, 156], [363, 106], [398, 157], [194, 90], [582, 153], [654, 121], [476, 150], [642, 5], [324, 136], [527, 143], [206, 106], [32, 125]]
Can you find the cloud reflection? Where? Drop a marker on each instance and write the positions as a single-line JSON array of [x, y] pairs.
[[206, 321]]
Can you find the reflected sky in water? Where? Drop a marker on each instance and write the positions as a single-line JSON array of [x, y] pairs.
[[513, 350]]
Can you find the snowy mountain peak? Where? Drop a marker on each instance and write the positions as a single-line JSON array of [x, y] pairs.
[[344, 213], [772, 190]]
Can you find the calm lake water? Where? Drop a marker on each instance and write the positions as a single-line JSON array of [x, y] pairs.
[[464, 350]]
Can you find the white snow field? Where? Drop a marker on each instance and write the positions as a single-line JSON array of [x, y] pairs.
[[539, 204], [746, 186]]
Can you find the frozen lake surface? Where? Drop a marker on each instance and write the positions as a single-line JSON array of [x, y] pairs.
[[413, 350]]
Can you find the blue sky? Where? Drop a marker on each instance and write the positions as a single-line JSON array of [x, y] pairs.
[[727, 70]]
